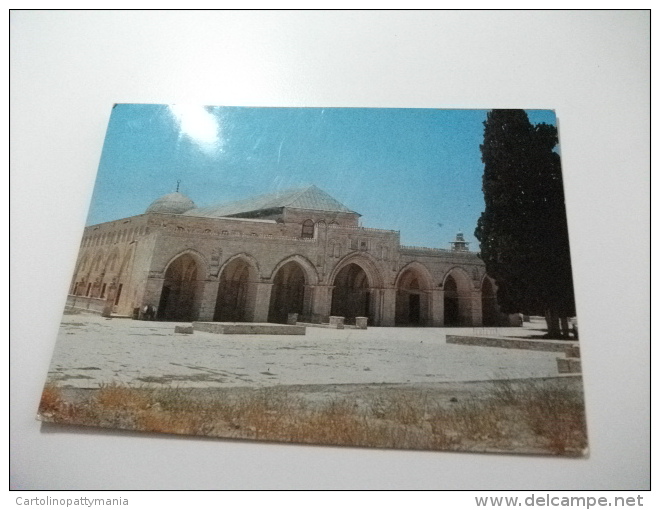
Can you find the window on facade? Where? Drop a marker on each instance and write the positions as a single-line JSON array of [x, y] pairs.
[[307, 229], [103, 290], [363, 245]]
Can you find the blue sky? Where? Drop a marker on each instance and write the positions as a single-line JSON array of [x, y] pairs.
[[414, 170]]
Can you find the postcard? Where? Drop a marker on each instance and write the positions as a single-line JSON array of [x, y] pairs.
[[371, 277]]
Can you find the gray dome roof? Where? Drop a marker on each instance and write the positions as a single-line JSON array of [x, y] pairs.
[[173, 203]]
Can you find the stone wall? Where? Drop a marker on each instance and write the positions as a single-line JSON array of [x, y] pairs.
[[396, 284]]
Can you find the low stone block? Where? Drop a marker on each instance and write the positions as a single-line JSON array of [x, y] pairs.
[[515, 320], [249, 328], [510, 343], [563, 366], [336, 322], [361, 322], [575, 365], [573, 351], [188, 330]]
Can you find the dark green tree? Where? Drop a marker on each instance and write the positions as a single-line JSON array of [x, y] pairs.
[[523, 232]]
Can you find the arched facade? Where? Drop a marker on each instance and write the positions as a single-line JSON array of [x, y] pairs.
[[260, 260]]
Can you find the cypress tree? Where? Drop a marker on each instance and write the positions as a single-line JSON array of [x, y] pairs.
[[523, 232]]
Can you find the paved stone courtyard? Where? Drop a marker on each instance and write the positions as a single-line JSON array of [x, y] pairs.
[[93, 350]]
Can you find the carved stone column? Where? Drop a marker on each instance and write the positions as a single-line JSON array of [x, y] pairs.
[[321, 301], [437, 307], [261, 301], [389, 307], [208, 297]]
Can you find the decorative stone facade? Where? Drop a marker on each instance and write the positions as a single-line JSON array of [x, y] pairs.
[[262, 259]]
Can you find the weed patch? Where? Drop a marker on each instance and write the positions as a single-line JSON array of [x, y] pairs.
[[518, 416]]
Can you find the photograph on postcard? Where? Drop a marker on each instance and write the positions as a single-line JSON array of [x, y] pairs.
[[372, 277]]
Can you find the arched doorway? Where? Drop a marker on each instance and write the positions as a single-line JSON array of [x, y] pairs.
[[458, 299], [411, 300], [179, 297], [288, 292], [452, 317], [233, 303], [489, 309], [351, 296]]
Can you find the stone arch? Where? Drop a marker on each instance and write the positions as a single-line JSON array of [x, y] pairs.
[[126, 260], [457, 286], [311, 274], [181, 291], [97, 262], [413, 296], [111, 261], [236, 297], [490, 311], [357, 287], [290, 284], [366, 262], [199, 259], [82, 265]]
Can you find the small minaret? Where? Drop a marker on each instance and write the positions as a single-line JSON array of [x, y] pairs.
[[459, 244]]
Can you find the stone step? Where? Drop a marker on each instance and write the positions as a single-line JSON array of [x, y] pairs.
[[512, 343], [248, 328], [573, 351], [569, 365]]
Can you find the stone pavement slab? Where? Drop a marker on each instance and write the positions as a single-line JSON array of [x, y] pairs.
[[93, 350]]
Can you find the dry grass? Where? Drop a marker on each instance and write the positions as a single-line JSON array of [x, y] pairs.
[[525, 416]]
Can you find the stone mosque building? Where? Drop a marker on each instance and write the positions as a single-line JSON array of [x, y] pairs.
[[261, 259]]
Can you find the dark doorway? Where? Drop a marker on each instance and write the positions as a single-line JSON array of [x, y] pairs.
[[452, 317], [164, 298], [287, 294], [232, 302], [413, 309], [411, 300], [178, 301], [350, 297]]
